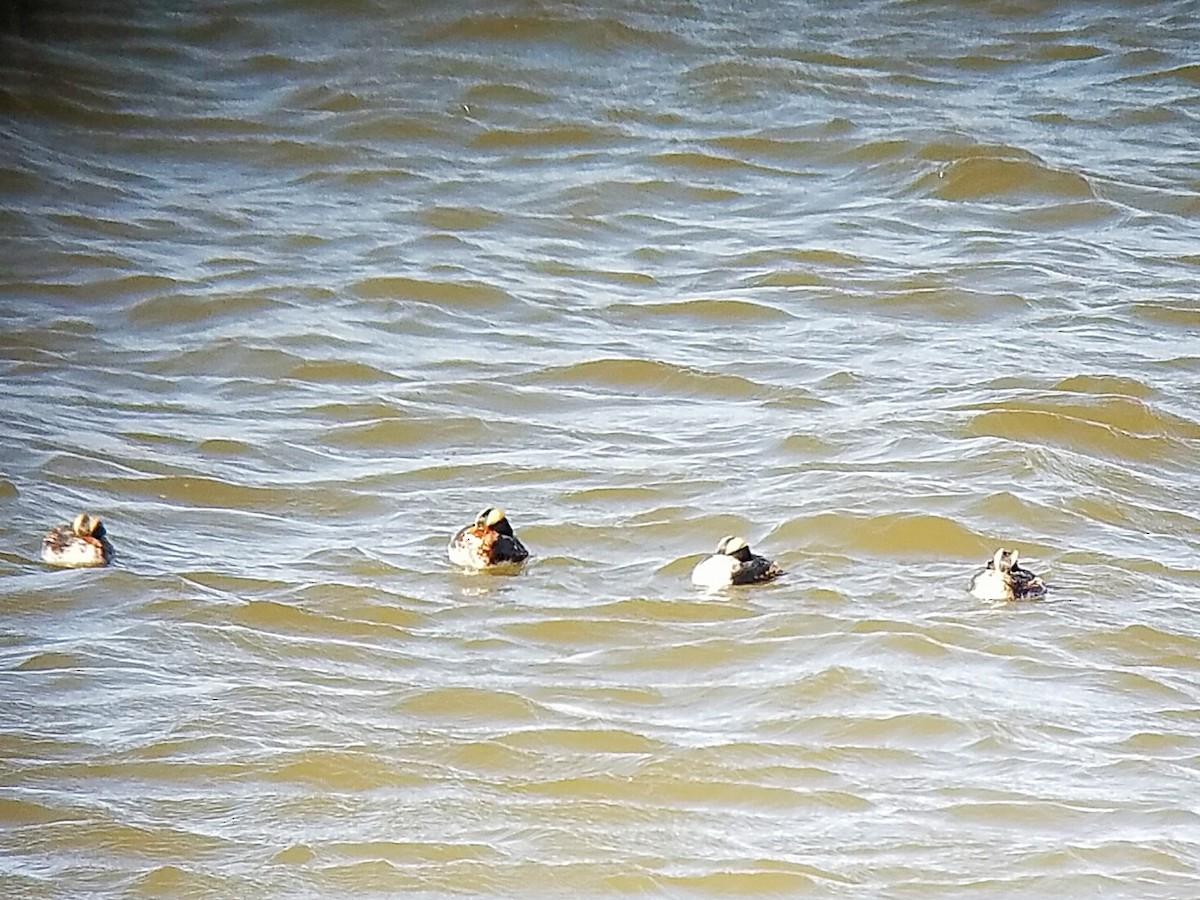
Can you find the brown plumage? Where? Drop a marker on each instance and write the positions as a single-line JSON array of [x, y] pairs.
[[81, 544], [487, 542]]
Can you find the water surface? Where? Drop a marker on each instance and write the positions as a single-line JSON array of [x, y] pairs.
[[291, 291]]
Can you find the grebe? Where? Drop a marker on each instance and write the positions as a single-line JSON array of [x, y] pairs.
[[733, 563], [1005, 579], [82, 543], [488, 542]]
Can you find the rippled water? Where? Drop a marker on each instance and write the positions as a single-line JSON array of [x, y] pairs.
[[291, 290]]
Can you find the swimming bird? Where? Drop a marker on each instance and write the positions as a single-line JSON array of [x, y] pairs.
[[733, 563], [82, 543], [488, 542], [1005, 579]]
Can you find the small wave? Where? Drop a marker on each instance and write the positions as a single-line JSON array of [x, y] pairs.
[[460, 218], [503, 93], [366, 878], [324, 98], [1144, 519], [787, 279], [104, 289], [653, 789], [1008, 814], [311, 498], [643, 376], [391, 128], [470, 473], [178, 881], [948, 303], [1059, 216], [737, 80], [889, 534], [1153, 691], [230, 585], [640, 610], [635, 496], [226, 447], [180, 771], [228, 359], [199, 490], [121, 839], [455, 294], [472, 703], [412, 852], [394, 433], [269, 615], [888, 637], [1098, 855], [728, 883], [1010, 507], [1175, 313], [16, 181], [1158, 745], [703, 310], [870, 152], [709, 163], [907, 730], [339, 770], [1118, 425], [570, 270], [341, 411], [583, 740], [1142, 645], [546, 136], [815, 256], [619, 197], [337, 371], [17, 813], [603, 33], [1067, 52], [578, 633], [1189, 74], [1046, 427], [781, 149], [705, 655], [1107, 384], [294, 855], [809, 446], [183, 309], [51, 660], [983, 178]]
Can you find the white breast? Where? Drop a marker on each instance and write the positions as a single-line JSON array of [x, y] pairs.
[[991, 585], [715, 571], [466, 550], [76, 554]]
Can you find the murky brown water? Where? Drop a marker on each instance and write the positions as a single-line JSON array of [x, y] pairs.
[[290, 291]]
